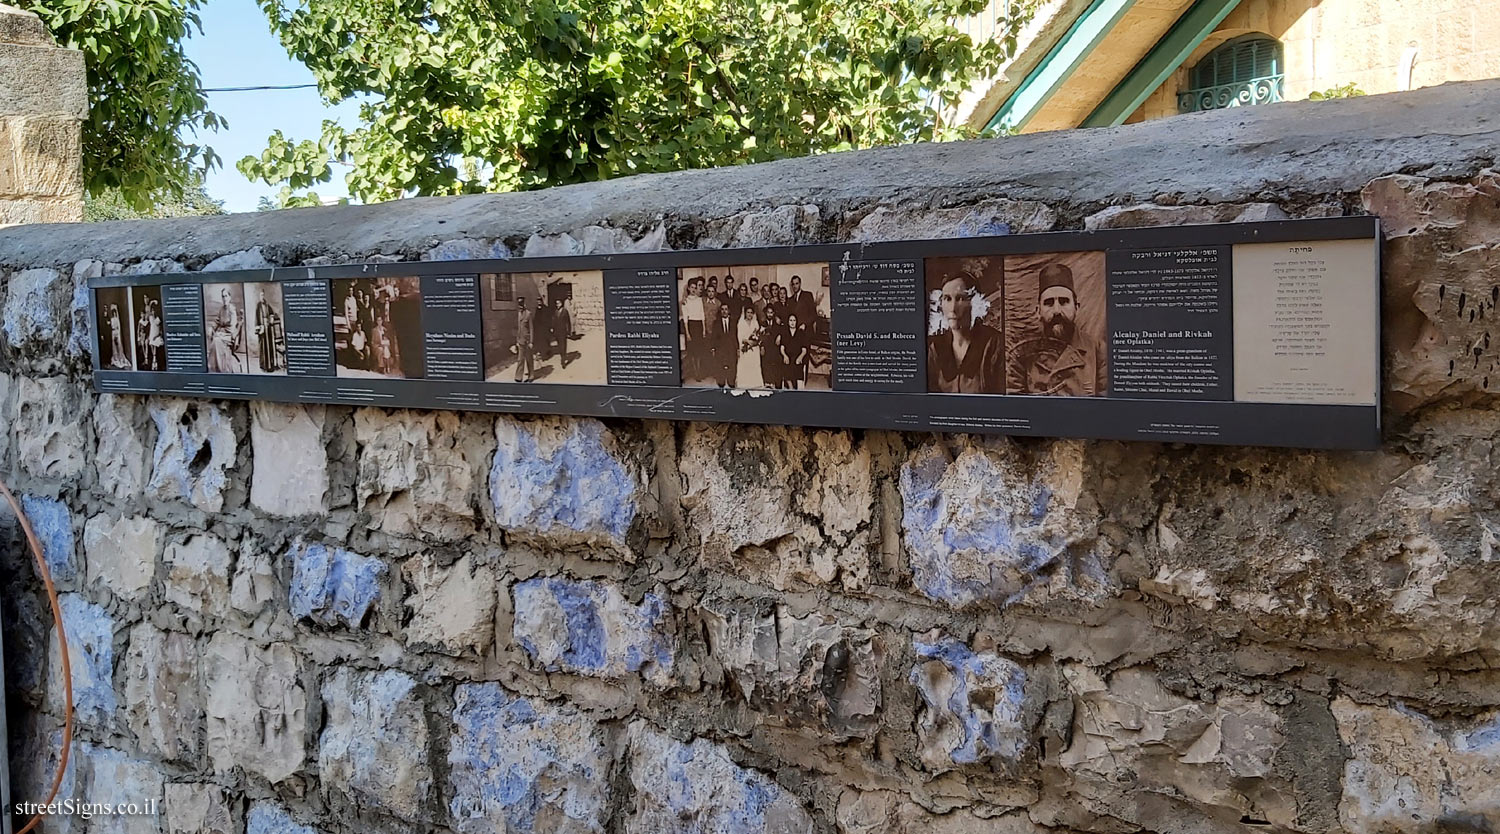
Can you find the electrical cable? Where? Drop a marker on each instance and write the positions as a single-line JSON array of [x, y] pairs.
[[62, 643], [254, 89]]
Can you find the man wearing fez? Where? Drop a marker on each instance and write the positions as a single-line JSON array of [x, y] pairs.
[[1062, 361], [524, 319]]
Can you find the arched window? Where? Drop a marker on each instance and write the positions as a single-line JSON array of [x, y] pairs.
[[1244, 71]]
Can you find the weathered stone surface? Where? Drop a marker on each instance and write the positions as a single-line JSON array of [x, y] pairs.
[[453, 607], [591, 240], [1408, 772], [193, 808], [43, 79], [460, 249], [49, 428], [35, 313], [197, 574], [760, 504], [885, 812], [375, 744], [991, 217], [809, 669], [255, 584], [22, 27], [522, 765], [256, 707], [49, 151], [270, 818], [781, 226], [195, 446], [97, 772], [163, 692], [120, 553], [246, 259], [1196, 761], [416, 472], [977, 706], [1150, 214], [332, 586], [122, 459], [684, 788], [53, 525], [562, 482], [91, 655], [80, 329], [589, 628], [987, 525], [289, 476], [1439, 304]]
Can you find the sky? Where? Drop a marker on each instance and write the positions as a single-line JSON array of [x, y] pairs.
[[237, 49]]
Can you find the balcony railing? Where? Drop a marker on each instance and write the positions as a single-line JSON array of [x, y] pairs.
[[1255, 91]]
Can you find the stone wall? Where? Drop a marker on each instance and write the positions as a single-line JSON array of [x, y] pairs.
[[325, 619], [43, 102]]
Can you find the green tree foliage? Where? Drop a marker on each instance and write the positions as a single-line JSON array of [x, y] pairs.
[[112, 205], [144, 95], [497, 95]]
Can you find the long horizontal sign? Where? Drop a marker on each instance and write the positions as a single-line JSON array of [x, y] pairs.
[[1245, 333]]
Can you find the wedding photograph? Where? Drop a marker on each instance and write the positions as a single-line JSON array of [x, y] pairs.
[[757, 326], [113, 327]]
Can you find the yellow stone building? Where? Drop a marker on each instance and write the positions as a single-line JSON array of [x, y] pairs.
[[1092, 63]]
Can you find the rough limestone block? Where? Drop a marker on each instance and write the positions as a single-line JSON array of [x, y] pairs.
[[35, 311], [163, 693], [256, 707], [760, 503], [686, 788], [461, 249], [255, 584], [589, 628], [26, 210], [50, 152], [562, 482], [332, 586], [197, 574], [245, 259], [416, 474], [53, 525], [989, 526], [81, 330], [809, 669], [522, 765], [120, 553], [20, 27], [1172, 747], [977, 707], [122, 460], [1150, 214], [269, 818], [1409, 773], [96, 772], [91, 655], [781, 226], [453, 607], [889, 812], [195, 445], [48, 427], [991, 217], [42, 80], [193, 808], [290, 470], [375, 745]]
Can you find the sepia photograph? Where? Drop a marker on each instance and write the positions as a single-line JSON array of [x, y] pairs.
[[1054, 325], [112, 324], [224, 328], [752, 327], [147, 329], [544, 327], [377, 328], [965, 350], [267, 352]]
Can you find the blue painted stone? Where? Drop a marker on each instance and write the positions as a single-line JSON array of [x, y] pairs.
[[1002, 729], [549, 488], [589, 628], [91, 635], [269, 818], [697, 787], [513, 761], [178, 468], [53, 525], [464, 249], [80, 335], [333, 586]]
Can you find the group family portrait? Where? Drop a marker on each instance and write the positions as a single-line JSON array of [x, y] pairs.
[[759, 326], [377, 325]]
